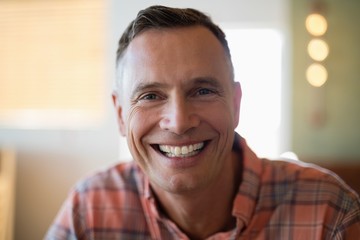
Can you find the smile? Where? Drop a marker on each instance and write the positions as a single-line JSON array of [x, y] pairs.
[[182, 151]]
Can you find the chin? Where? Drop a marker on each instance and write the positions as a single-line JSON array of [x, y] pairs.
[[180, 183]]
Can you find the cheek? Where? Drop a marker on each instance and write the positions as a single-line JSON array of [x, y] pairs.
[[220, 116], [135, 123], [139, 123]]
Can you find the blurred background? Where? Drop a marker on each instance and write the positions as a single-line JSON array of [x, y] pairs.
[[300, 79]]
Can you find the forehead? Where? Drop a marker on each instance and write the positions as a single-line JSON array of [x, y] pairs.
[[176, 54], [194, 37]]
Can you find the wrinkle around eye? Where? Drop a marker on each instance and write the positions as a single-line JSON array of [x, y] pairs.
[[149, 98]]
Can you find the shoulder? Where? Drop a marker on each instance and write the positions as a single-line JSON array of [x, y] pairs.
[[105, 204], [123, 176], [313, 194], [108, 193], [304, 176], [118, 184], [311, 189]]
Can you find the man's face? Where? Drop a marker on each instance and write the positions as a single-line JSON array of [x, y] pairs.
[[178, 107]]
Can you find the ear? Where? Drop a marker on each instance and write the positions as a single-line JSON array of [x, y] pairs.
[[119, 113], [237, 94]]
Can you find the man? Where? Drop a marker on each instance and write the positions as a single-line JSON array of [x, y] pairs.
[[193, 177]]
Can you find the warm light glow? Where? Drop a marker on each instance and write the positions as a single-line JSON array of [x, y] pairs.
[[316, 24], [318, 49], [52, 64], [316, 74]]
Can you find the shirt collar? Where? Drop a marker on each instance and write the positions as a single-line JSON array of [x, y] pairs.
[[245, 200]]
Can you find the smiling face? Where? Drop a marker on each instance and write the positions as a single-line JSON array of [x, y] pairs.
[[178, 107]]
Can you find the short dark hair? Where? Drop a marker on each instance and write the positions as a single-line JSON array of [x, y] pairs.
[[157, 17]]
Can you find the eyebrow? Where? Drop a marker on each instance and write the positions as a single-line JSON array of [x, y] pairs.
[[194, 82], [146, 86], [208, 81]]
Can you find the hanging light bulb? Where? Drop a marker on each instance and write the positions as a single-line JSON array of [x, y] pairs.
[[316, 24], [316, 74], [318, 49]]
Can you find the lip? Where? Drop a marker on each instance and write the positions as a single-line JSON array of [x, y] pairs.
[[179, 162]]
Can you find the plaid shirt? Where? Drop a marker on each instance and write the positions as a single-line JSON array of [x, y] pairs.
[[276, 200]]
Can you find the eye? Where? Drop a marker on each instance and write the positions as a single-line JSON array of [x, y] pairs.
[[150, 96], [204, 91]]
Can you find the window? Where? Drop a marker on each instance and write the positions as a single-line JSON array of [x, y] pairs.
[[52, 63], [257, 59]]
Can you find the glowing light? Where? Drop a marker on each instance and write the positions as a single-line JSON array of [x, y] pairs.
[[318, 49], [316, 24], [316, 74]]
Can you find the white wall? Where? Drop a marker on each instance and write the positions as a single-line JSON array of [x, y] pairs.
[[50, 161]]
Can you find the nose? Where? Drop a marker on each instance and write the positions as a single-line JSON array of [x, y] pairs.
[[179, 116]]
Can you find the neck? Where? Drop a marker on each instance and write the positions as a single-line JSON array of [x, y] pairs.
[[195, 211]]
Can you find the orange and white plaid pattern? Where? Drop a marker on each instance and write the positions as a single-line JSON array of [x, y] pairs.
[[276, 200]]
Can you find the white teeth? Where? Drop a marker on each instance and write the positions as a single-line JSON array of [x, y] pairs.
[[191, 148], [184, 150], [181, 151], [177, 150]]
